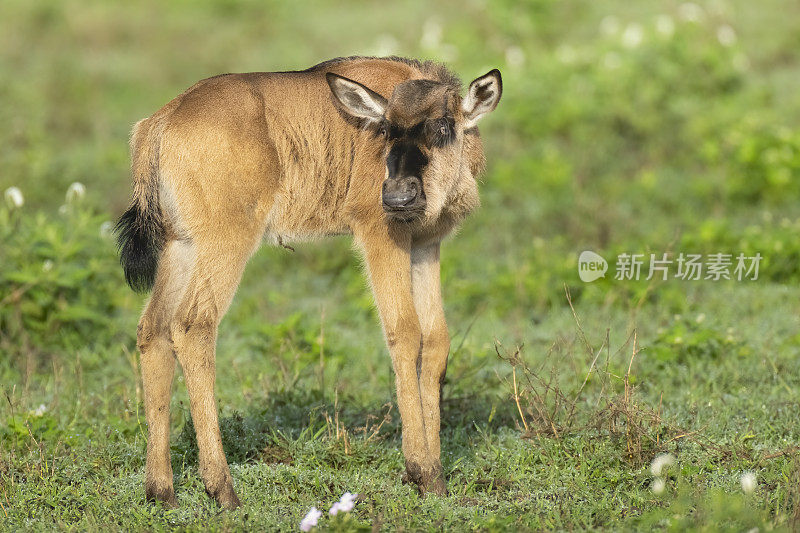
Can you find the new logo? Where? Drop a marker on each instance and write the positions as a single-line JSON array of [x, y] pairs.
[[591, 266]]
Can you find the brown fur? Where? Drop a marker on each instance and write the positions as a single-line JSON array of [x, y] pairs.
[[240, 157]]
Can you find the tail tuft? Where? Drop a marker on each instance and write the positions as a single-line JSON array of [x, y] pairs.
[[140, 237]]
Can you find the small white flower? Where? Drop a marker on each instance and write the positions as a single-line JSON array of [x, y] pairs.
[[515, 57], [75, 192], [633, 35], [310, 519], [609, 25], [748, 481], [660, 462], [690, 12], [63, 210], [14, 198], [47, 266], [726, 35], [347, 501], [658, 486], [39, 411], [665, 25], [700, 318], [345, 504]]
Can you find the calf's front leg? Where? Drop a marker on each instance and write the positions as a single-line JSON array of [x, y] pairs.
[[435, 349], [389, 266]]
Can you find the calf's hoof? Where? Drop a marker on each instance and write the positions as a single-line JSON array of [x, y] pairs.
[[434, 485], [225, 497], [164, 495], [428, 480]]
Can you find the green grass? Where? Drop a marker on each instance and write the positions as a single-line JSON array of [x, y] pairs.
[[677, 144]]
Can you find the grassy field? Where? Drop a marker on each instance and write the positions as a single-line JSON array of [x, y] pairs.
[[654, 127]]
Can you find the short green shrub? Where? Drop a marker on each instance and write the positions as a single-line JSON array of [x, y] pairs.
[[60, 281]]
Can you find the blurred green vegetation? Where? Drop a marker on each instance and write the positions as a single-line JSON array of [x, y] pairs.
[[644, 127]]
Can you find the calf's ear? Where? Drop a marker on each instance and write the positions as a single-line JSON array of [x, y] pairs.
[[482, 97], [356, 99]]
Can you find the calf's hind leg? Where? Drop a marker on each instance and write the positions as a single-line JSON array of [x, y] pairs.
[[158, 366], [211, 287]]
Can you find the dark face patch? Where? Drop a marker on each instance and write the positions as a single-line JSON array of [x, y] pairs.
[[417, 121], [405, 159], [403, 193]]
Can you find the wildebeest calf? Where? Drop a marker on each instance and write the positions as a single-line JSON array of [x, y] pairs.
[[385, 149]]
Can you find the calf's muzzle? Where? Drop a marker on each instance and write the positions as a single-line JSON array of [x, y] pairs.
[[401, 193]]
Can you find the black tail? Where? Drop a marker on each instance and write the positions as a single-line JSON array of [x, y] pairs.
[[140, 237], [140, 230]]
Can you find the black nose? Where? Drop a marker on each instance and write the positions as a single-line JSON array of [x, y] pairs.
[[399, 193]]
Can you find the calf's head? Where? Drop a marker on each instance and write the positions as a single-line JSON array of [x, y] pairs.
[[425, 127]]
